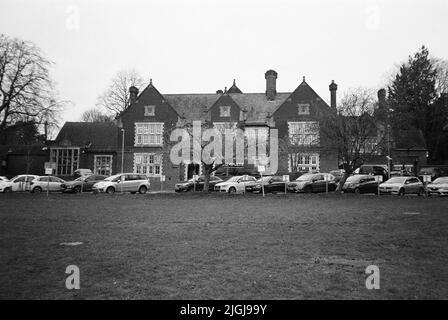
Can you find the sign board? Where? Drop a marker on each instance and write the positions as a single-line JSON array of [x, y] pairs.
[[50, 165], [261, 168], [426, 178], [286, 177], [379, 178], [162, 178], [48, 171]]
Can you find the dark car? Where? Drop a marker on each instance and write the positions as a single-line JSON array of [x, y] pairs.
[[190, 185], [82, 184], [313, 182], [271, 184], [361, 184]]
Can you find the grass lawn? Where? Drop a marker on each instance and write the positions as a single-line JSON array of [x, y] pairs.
[[185, 246]]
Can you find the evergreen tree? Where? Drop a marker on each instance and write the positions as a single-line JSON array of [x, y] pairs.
[[412, 95]]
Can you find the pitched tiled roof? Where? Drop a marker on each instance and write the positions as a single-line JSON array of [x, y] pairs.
[[257, 106], [191, 106], [100, 134], [234, 88]]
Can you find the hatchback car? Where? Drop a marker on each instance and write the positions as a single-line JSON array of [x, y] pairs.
[[44, 183], [313, 182], [18, 183], [191, 185], [438, 187], [236, 184], [360, 184], [82, 184], [123, 182], [271, 184], [402, 186]]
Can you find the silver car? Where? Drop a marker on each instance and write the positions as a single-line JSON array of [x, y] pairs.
[[44, 183], [438, 186], [123, 182], [18, 183], [402, 186]]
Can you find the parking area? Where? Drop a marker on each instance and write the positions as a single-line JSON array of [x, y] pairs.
[[164, 246]]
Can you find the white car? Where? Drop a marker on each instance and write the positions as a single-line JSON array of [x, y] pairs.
[[123, 182], [3, 179], [18, 183], [236, 184], [438, 186], [402, 186], [44, 183]]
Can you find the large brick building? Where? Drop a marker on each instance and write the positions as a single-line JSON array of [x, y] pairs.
[[151, 115]]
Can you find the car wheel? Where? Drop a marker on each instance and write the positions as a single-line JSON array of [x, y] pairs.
[[110, 190], [7, 190], [142, 190], [77, 189], [308, 189], [232, 190], [401, 192], [37, 190], [357, 191]]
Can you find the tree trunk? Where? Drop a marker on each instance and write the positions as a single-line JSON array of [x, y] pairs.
[[342, 181], [207, 171]]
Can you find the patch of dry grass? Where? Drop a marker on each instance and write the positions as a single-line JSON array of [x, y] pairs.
[[176, 246]]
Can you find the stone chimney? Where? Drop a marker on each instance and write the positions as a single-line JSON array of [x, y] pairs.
[[333, 89], [271, 89], [133, 93], [381, 98]]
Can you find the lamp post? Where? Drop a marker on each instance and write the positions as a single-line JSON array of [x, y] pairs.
[[122, 149]]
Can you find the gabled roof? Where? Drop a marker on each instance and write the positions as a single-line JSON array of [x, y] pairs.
[[257, 106], [191, 106], [234, 88], [100, 134]]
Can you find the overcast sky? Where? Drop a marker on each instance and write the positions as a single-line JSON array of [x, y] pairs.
[[200, 46]]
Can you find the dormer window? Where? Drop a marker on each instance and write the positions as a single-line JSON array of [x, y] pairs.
[[150, 111], [303, 108], [224, 111]]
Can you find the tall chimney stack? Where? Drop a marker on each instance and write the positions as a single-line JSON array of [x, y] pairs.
[[382, 98], [271, 78], [333, 89], [133, 93]]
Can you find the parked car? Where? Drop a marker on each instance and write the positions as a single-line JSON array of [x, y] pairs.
[[433, 171], [337, 174], [44, 183], [123, 182], [83, 184], [78, 173], [18, 183], [360, 184], [438, 186], [402, 186], [236, 184], [190, 184], [271, 184], [3, 179], [313, 182]]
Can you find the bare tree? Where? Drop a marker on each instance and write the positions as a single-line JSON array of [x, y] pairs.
[[441, 66], [353, 131], [116, 98], [26, 89], [95, 115]]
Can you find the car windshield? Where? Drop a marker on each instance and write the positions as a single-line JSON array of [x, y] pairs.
[[397, 180], [353, 178], [305, 177], [441, 180], [233, 179], [111, 178]]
